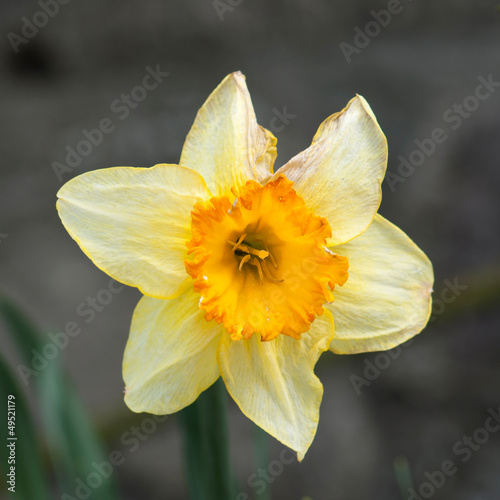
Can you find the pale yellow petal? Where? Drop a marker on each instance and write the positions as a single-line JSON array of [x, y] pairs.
[[171, 354], [274, 383], [340, 174], [387, 298], [134, 223], [225, 144]]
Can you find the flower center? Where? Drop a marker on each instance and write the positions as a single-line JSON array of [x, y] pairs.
[[260, 263], [254, 257]]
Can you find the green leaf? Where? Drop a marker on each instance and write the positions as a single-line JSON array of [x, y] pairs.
[[30, 469], [78, 456], [23, 333], [75, 449]]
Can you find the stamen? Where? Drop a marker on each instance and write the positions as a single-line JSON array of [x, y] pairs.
[[273, 260], [255, 262], [255, 258], [246, 258], [238, 243], [268, 274], [261, 254]]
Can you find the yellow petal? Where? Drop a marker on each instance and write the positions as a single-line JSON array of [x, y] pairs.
[[225, 144], [274, 384], [340, 174], [171, 354], [387, 298], [134, 223]]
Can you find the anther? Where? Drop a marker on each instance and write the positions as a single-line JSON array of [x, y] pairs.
[[261, 254]]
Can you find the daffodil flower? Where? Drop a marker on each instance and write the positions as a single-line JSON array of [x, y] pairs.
[[239, 266]]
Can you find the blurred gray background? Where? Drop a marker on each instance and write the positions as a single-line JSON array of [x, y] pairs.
[[419, 73]]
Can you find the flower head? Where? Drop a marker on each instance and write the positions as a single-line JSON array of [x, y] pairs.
[[244, 271], [259, 262]]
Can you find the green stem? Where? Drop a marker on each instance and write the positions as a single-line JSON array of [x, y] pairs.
[[403, 476], [206, 445]]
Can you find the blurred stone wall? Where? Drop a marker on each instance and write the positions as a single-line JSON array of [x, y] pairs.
[[71, 73]]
